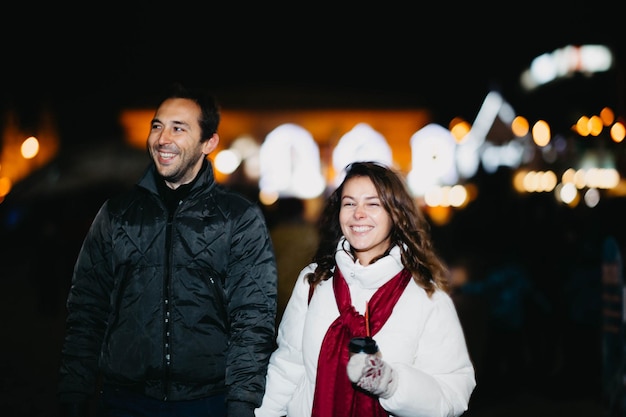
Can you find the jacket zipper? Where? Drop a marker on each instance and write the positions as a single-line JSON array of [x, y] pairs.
[[167, 359]]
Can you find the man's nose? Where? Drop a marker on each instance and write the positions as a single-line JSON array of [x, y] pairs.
[[164, 137]]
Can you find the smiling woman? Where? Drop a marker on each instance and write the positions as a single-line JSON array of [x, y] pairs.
[[374, 273]]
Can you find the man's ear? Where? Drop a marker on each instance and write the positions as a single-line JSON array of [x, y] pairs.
[[209, 146]]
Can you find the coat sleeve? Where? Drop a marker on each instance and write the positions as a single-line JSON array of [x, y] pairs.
[[441, 379], [251, 291], [88, 308], [286, 366]]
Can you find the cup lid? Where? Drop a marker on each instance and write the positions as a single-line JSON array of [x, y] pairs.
[[363, 345]]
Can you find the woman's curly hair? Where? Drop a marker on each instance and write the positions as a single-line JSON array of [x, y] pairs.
[[410, 230]]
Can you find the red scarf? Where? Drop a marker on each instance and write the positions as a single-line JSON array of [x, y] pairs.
[[335, 395]]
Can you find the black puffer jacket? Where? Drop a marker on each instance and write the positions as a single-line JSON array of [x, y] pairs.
[[176, 309]]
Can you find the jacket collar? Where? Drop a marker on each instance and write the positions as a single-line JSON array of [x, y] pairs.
[[205, 178]]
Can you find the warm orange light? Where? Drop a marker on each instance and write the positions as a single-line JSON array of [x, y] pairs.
[[439, 215], [607, 116], [582, 126], [5, 186], [541, 133], [618, 131], [459, 128], [30, 148], [595, 125], [520, 126]]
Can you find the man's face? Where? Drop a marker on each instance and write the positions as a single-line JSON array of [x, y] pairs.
[[175, 143]]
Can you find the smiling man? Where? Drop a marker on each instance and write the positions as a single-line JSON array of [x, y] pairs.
[[173, 298]]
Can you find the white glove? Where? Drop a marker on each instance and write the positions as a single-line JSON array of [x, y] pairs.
[[371, 373]]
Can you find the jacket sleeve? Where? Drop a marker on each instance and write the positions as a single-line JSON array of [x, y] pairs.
[[87, 311], [251, 291], [441, 379], [286, 367]]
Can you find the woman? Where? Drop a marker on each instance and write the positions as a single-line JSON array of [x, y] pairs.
[[375, 273]]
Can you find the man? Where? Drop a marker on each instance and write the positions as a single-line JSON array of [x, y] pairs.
[[172, 305]]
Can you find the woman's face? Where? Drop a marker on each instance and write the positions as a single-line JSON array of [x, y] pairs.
[[364, 222]]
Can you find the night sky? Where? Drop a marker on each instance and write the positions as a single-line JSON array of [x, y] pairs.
[[88, 63]]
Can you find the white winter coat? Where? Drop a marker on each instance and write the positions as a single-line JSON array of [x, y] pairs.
[[422, 340]]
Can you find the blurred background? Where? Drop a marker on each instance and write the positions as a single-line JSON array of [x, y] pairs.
[[508, 126]]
